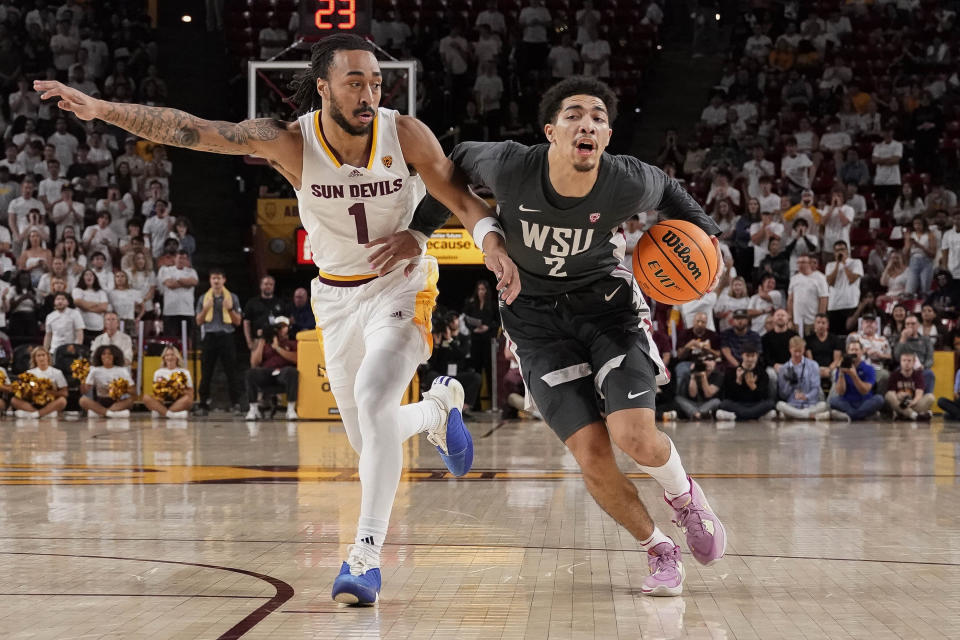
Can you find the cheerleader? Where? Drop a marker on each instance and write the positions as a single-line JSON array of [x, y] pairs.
[[164, 406], [40, 367], [107, 367]]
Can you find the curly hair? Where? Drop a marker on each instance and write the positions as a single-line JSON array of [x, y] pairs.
[[576, 86], [97, 360]]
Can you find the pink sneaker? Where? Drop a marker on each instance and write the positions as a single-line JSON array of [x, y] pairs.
[[666, 571], [706, 536]]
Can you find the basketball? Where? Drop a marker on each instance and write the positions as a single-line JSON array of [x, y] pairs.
[[675, 262]]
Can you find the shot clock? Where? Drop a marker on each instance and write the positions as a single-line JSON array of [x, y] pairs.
[[319, 18]]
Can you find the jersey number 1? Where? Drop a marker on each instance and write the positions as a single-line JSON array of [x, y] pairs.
[[359, 214]]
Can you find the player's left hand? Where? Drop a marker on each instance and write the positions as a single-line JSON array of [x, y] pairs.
[[394, 249], [720, 264], [508, 276]]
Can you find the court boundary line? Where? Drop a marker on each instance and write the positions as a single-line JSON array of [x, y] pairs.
[[284, 591], [410, 544]]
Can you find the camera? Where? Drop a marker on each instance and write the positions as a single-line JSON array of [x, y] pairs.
[[790, 375], [699, 365], [846, 362], [904, 402]]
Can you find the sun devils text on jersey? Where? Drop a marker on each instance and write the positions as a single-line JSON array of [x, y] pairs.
[[558, 243], [343, 207]]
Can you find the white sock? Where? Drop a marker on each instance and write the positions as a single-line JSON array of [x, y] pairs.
[[254, 406], [418, 417], [655, 538], [671, 476], [370, 535]]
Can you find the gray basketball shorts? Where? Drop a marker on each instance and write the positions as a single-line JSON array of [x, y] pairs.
[[583, 354]]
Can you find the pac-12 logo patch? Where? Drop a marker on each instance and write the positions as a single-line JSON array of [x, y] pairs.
[[594, 217], [387, 161]]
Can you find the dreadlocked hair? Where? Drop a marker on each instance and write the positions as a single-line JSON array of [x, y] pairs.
[[304, 84]]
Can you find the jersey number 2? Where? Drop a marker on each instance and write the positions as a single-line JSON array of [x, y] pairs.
[[359, 214], [557, 268]]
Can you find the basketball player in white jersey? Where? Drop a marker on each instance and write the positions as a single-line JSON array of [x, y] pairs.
[[359, 172]]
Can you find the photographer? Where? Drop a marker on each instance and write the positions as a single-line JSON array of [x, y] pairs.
[[746, 390], [798, 384], [451, 353], [273, 363], [854, 399], [701, 395], [697, 341], [905, 396]]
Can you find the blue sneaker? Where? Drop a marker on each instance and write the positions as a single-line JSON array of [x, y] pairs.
[[451, 438], [358, 582]]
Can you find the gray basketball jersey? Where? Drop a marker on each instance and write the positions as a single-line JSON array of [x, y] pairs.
[[559, 243]]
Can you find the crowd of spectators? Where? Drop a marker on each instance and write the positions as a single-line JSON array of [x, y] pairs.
[[481, 64], [90, 242], [828, 156]]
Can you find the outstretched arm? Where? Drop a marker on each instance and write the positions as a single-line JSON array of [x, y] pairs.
[[449, 186], [263, 137]]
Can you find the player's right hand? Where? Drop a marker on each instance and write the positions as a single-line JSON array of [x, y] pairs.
[[508, 276], [77, 102]]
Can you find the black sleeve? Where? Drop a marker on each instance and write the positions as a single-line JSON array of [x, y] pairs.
[[481, 162], [663, 193]]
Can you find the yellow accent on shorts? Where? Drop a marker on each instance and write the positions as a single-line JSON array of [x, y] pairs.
[[426, 303], [331, 276]]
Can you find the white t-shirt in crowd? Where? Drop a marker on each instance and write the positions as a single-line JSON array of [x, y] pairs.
[[726, 302], [62, 326], [101, 377], [157, 229], [951, 242], [795, 169], [179, 301], [714, 116], [887, 174], [120, 340], [534, 21], [124, 302], [754, 171], [758, 323], [163, 372], [705, 304], [563, 61], [769, 203], [807, 291], [835, 141], [68, 215], [843, 293], [50, 189], [835, 229], [590, 52], [92, 320], [760, 252], [52, 374]]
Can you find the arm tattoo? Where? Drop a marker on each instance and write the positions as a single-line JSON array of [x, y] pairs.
[[180, 129]]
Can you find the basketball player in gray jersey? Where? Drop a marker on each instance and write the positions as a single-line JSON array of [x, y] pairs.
[[580, 327]]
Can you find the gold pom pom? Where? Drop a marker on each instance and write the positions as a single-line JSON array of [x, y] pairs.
[[33, 389], [118, 388], [80, 369]]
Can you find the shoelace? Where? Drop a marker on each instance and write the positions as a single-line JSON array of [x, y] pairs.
[[666, 560], [358, 560], [689, 519]]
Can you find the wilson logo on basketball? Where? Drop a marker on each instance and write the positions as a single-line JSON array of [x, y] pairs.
[[682, 252]]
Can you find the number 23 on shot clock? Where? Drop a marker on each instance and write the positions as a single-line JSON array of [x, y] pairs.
[[319, 18]]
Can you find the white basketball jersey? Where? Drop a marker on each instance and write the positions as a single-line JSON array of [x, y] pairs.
[[343, 207]]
